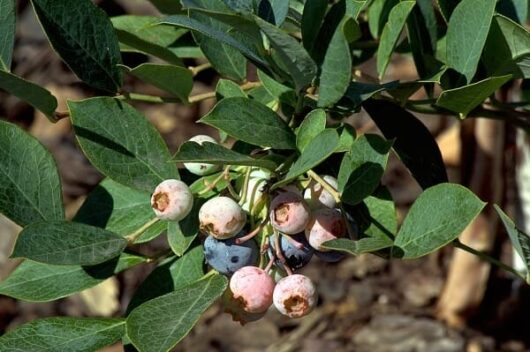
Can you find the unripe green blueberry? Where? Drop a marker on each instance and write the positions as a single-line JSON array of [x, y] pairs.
[[326, 224], [289, 213], [252, 287], [172, 200], [318, 197], [222, 218], [202, 169], [295, 296]]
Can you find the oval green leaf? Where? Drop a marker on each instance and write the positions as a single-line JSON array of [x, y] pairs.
[[520, 240], [435, 219], [251, 122], [119, 209], [313, 124], [213, 153], [413, 142], [7, 28], [67, 243], [161, 323], [170, 276], [63, 334], [175, 80], [466, 35], [29, 181], [37, 282], [121, 143], [362, 167], [83, 36], [36, 96]]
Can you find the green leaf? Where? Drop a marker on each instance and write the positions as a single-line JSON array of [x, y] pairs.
[[121, 143], [312, 17], [119, 209], [390, 36], [67, 243], [226, 59], [7, 28], [194, 25], [212, 153], [435, 219], [466, 98], [167, 6], [291, 54], [274, 11], [37, 282], [181, 234], [335, 72], [413, 143], [422, 33], [520, 240], [378, 13], [358, 92], [63, 334], [29, 181], [279, 91], [139, 34], [507, 43], [313, 124], [347, 137], [362, 167], [169, 277], [85, 41], [161, 323], [36, 96], [383, 222], [251, 122], [228, 89], [466, 35], [318, 150], [173, 79]]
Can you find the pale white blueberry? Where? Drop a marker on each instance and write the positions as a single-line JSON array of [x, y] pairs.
[[295, 296], [172, 200], [317, 196], [202, 169], [221, 217]]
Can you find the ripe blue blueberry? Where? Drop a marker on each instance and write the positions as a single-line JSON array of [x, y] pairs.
[[296, 256], [226, 256]]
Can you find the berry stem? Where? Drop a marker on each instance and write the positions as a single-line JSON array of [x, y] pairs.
[[251, 234], [195, 70], [279, 253], [157, 256], [327, 186], [223, 175], [244, 189], [485, 257], [134, 236]]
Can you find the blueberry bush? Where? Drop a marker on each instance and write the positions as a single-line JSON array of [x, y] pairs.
[[288, 180]]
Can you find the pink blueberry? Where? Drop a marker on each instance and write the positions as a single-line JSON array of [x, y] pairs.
[[235, 309], [172, 200], [222, 217], [317, 197], [252, 289], [289, 213], [295, 296], [326, 224]]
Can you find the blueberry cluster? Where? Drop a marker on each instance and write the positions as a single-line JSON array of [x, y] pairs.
[[292, 226]]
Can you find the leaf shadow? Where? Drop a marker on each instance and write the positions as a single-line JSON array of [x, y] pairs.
[[101, 140]]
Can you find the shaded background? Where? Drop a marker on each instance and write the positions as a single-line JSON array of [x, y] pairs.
[[366, 303]]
